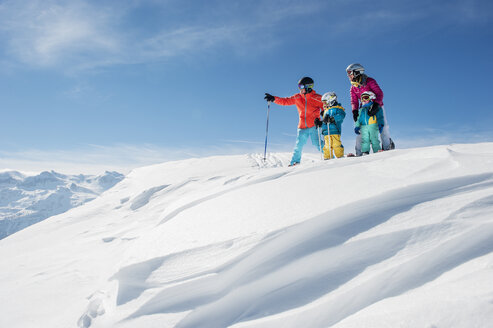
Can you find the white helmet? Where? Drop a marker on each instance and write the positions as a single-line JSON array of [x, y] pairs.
[[368, 94], [330, 98], [356, 69]]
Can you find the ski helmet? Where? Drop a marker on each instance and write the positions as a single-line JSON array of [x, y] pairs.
[[356, 69], [330, 98], [368, 95], [306, 83]]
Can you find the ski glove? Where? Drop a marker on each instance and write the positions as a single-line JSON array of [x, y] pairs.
[[355, 115], [329, 119], [373, 110], [380, 128], [317, 122], [356, 130], [269, 97]]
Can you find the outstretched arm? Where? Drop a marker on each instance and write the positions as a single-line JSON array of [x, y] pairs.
[[285, 101]]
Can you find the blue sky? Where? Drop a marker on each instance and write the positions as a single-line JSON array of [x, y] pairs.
[[93, 84]]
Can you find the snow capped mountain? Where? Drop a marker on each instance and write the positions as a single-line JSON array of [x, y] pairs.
[[396, 239], [28, 199]]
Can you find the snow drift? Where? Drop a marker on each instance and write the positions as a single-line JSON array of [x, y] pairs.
[[396, 239]]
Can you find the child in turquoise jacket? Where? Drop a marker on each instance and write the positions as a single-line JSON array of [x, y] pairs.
[[369, 123]]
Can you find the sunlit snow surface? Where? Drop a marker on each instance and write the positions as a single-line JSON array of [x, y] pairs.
[[396, 239]]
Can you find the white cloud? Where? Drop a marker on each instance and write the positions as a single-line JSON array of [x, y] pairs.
[[77, 35], [95, 159], [171, 43], [428, 136], [45, 33], [92, 159]]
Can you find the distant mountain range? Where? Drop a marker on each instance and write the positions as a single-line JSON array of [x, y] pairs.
[[28, 199]]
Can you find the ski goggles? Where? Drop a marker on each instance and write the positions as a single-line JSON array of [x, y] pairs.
[[305, 86], [365, 97]]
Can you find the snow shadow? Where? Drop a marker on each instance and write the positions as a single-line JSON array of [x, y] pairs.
[[299, 264], [143, 199], [133, 280], [412, 274], [215, 195]]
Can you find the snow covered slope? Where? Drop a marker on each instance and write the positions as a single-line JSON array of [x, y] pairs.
[[396, 239], [28, 199]]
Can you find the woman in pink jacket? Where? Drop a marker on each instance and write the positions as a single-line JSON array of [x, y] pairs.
[[360, 83]]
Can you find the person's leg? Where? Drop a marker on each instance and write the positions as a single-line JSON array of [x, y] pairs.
[[365, 139], [315, 137], [385, 134], [301, 139], [335, 140], [375, 142], [327, 152], [357, 145]]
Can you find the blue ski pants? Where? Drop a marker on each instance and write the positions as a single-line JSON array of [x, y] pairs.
[[301, 140]]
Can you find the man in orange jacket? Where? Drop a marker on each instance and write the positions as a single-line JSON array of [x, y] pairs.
[[309, 104]]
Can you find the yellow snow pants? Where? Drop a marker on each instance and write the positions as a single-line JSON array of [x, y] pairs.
[[333, 146]]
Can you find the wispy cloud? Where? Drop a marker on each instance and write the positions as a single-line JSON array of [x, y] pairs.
[[432, 136], [90, 158], [47, 33], [77, 35], [171, 43], [96, 159]]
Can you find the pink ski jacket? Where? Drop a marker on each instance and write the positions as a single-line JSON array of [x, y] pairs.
[[308, 110], [369, 84]]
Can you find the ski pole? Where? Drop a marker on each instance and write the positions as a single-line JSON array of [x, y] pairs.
[[266, 130], [331, 150]]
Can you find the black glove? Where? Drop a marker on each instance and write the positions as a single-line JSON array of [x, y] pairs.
[[317, 122], [332, 119], [269, 97], [357, 130], [355, 115], [373, 110]]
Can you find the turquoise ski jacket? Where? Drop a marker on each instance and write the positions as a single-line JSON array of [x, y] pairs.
[[338, 113], [365, 119]]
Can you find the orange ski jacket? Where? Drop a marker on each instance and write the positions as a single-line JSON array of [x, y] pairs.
[[309, 106]]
